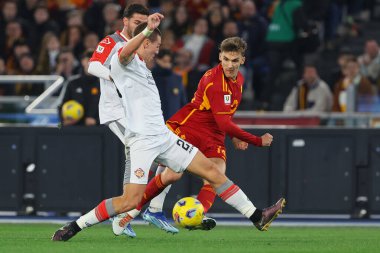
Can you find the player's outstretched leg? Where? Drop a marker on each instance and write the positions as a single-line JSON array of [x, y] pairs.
[[106, 209], [232, 194]]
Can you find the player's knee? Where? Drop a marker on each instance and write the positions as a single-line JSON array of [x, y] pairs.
[[169, 177], [214, 175], [129, 202]]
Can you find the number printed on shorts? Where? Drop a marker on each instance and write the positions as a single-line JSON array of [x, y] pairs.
[[184, 145]]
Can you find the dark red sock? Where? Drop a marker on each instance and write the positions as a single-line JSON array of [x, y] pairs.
[[207, 196], [154, 187]]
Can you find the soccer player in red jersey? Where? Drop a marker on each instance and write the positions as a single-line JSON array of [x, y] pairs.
[[204, 122]]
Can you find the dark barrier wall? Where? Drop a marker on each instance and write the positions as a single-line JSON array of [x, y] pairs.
[[319, 171]]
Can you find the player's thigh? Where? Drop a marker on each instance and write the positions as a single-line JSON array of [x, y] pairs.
[[206, 169], [221, 165], [176, 153], [118, 128]]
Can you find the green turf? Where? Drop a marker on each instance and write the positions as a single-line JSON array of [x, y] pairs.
[[36, 238]]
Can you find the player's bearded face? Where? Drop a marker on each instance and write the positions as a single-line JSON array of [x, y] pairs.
[[134, 21], [231, 62]]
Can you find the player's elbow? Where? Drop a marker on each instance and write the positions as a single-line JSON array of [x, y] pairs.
[[91, 68]]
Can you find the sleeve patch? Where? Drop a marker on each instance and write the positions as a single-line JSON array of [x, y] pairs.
[[100, 49]]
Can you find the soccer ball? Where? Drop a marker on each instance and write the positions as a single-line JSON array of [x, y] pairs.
[[72, 111], [188, 212]]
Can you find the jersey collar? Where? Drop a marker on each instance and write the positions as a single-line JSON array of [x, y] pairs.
[[122, 35]]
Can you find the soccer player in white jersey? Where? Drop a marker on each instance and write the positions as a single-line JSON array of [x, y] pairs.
[[148, 139], [111, 111]]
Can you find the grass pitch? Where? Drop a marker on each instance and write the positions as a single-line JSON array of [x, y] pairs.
[[29, 238]]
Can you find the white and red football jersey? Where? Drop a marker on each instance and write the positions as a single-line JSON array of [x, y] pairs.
[[110, 106], [141, 99]]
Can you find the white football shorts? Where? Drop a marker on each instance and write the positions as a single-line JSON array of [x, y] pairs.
[[167, 149]]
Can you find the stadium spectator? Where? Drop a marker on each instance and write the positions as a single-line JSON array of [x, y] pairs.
[[47, 58], [230, 29], [85, 90], [72, 38], [200, 45], [215, 22], [352, 82], [166, 8], [27, 66], [26, 9], [42, 24], [253, 28], [74, 18], [311, 93], [90, 42], [13, 33], [232, 9], [370, 61], [20, 47], [66, 65], [169, 84], [184, 68], [9, 11], [180, 22], [110, 16]]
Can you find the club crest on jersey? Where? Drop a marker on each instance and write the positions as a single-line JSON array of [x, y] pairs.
[[100, 49], [139, 173], [227, 99]]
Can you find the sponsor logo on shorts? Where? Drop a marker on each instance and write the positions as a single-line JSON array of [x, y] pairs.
[[139, 173]]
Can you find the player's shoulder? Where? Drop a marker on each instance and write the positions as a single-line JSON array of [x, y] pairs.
[[211, 74], [111, 40]]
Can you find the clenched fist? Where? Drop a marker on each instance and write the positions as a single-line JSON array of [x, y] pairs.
[[266, 140]]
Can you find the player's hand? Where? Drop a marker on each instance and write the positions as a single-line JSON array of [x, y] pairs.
[[239, 144], [154, 20], [266, 140], [89, 121]]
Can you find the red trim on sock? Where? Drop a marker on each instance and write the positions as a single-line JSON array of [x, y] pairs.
[[207, 197], [125, 220], [229, 192], [154, 187], [101, 211]]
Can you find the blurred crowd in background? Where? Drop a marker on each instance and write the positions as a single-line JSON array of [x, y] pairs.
[[297, 57]]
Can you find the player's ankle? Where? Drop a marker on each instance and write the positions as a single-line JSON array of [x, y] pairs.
[[256, 216]]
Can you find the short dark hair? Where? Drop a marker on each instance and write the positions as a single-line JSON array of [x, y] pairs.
[[141, 28], [135, 8], [233, 44]]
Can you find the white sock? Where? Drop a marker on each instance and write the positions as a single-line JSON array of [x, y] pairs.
[[156, 204], [133, 213], [236, 198], [88, 219]]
